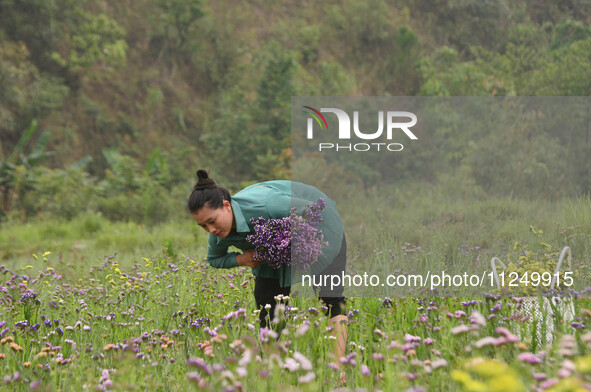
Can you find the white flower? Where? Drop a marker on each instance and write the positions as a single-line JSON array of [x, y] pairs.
[[246, 358], [438, 363], [486, 341], [305, 362], [309, 377], [301, 331], [291, 364], [460, 329], [477, 318]]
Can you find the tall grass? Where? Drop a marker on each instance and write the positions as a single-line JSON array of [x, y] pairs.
[[155, 317]]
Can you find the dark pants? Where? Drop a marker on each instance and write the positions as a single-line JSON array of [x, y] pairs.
[[266, 289]]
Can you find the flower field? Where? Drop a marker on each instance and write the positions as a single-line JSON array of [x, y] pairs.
[[177, 324]]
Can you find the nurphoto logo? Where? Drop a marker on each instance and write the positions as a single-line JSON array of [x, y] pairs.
[[392, 120]]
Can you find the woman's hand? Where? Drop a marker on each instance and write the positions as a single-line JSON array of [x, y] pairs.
[[247, 259]]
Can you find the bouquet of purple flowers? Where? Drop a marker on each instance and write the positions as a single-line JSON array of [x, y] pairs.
[[295, 240]]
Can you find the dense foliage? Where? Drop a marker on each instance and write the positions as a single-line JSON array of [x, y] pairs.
[[148, 78]]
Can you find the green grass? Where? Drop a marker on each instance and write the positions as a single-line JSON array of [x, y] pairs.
[[86, 241], [131, 305]]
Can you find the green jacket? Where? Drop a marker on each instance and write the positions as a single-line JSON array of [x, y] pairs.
[[274, 199]]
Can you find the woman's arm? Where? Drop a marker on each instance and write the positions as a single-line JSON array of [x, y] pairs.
[[219, 257], [247, 259]]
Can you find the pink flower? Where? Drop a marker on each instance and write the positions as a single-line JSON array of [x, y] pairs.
[[411, 339], [486, 341], [540, 376], [291, 364], [507, 334], [438, 363], [394, 344], [302, 329], [304, 362], [529, 358], [460, 329], [549, 383], [246, 358], [568, 364], [477, 318], [563, 373], [308, 377]]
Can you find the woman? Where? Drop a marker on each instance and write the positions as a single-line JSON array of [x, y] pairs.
[[227, 219]]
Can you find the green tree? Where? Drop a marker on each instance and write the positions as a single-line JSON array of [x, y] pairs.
[[25, 94], [66, 37], [272, 127], [179, 16], [566, 73], [94, 40], [16, 175]]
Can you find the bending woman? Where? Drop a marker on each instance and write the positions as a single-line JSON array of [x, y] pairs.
[[227, 219]]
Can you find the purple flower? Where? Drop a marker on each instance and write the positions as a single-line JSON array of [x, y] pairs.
[[266, 334], [21, 324], [272, 241], [365, 370], [349, 359], [199, 363], [293, 240], [240, 313], [540, 376]]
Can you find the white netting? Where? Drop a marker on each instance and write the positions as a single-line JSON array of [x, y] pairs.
[[543, 312]]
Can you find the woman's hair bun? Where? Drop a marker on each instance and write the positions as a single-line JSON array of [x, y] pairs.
[[202, 174], [207, 192], [204, 182]]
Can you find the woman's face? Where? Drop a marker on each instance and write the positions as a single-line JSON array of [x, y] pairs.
[[219, 221]]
